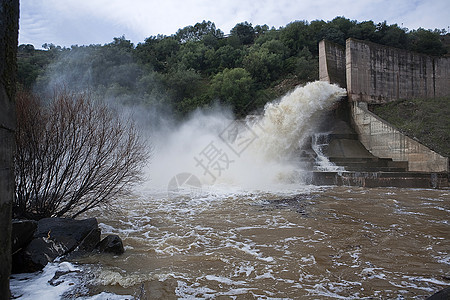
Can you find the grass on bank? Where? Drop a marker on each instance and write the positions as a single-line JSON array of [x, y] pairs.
[[426, 120]]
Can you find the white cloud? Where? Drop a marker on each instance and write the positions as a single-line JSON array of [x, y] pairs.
[[98, 21], [428, 14]]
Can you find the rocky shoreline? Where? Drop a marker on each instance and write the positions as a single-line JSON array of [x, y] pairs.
[[36, 243]]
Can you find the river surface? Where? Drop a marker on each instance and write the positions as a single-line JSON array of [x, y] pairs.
[[308, 243]]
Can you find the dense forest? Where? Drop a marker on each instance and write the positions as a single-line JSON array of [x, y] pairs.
[[199, 65]]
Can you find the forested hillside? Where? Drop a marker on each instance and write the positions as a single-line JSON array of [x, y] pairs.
[[200, 65]]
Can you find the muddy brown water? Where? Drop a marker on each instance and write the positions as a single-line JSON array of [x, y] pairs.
[[311, 243]]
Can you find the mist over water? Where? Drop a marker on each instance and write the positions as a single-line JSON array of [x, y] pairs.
[[257, 152]]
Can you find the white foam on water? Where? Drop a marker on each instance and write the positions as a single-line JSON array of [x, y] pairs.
[[445, 259], [429, 280], [108, 296], [114, 277], [50, 284], [335, 290], [247, 270], [186, 291], [373, 272], [224, 280], [266, 275], [249, 248], [36, 286]]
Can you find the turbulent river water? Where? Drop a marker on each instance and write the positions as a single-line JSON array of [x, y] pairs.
[[308, 243], [226, 215], [295, 243]]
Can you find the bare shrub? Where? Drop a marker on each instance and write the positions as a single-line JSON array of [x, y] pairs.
[[73, 154]]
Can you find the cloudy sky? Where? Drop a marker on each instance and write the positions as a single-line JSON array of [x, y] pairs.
[[83, 22]]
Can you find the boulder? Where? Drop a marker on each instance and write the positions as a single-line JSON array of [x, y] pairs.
[[111, 244], [22, 234], [87, 245], [90, 242], [37, 243], [67, 232], [36, 255], [441, 295], [56, 237]]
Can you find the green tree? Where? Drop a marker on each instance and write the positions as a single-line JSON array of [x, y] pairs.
[[261, 29], [198, 32], [343, 25], [178, 70], [303, 66], [31, 63], [229, 57], [157, 51], [364, 31], [267, 35], [265, 63], [234, 87], [244, 32], [182, 83], [336, 30], [333, 34], [26, 49], [427, 41], [192, 55], [275, 46], [297, 35], [391, 35]]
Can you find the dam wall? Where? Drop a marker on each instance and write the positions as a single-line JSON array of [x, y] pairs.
[[376, 74], [385, 141], [332, 67], [379, 74]]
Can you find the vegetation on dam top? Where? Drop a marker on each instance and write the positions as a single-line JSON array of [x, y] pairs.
[[426, 120]]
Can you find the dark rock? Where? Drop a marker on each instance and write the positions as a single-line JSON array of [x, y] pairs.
[[39, 243], [56, 280], [111, 244], [88, 244], [22, 233], [68, 232], [441, 295], [56, 237], [36, 255]]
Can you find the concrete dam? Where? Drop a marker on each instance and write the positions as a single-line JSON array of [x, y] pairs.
[[370, 150]]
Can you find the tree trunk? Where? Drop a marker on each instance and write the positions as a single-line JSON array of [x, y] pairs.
[[9, 25]]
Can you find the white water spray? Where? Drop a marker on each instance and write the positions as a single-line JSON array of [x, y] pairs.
[[319, 142], [255, 153], [288, 122]]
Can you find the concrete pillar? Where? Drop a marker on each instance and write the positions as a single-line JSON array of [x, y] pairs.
[[9, 26]]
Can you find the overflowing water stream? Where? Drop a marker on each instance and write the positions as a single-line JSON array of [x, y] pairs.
[[225, 215]]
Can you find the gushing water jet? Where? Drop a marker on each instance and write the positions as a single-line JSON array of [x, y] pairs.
[[257, 152]]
